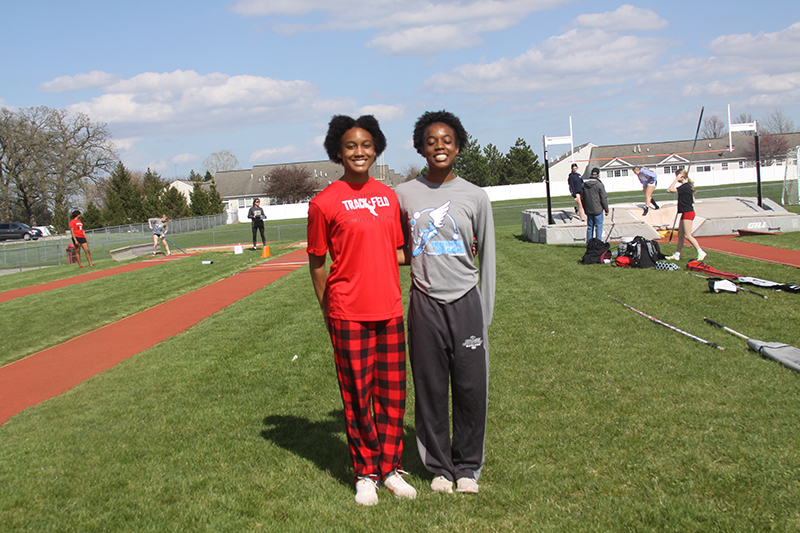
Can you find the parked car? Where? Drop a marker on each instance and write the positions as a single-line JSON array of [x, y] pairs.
[[18, 230]]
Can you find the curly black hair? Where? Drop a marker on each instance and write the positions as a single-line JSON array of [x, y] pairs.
[[445, 117], [340, 124]]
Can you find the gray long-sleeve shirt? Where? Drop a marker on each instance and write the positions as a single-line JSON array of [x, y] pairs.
[[440, 221]]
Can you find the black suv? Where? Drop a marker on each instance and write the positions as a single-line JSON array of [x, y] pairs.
[[18, 230]]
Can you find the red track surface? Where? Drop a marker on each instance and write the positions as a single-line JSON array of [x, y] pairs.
[[51, 372], [760, 252]]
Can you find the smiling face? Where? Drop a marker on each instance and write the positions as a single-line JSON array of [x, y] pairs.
[[357, 153], [440, 146]]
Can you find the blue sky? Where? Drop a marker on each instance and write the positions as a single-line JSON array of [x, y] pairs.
[[177, 81]]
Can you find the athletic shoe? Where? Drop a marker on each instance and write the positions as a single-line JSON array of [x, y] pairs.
[[655, 205], [467, 485], [674, 257], [645, 210], [442, 484], [395, 483], [169, 253], [255, 248], [366, 491], [701, 255], [154, 253]]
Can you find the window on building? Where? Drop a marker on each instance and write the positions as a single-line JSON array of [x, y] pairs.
[[242, 203], [724, 165], [741, 164], [703, 168], [610, 174]]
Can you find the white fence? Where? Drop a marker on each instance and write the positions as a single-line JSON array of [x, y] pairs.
[[560, 188]]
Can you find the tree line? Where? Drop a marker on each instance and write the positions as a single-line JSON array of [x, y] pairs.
[[487, 166], [127, 198], [52, 161]]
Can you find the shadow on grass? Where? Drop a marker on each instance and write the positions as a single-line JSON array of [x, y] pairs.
[[323, 443]]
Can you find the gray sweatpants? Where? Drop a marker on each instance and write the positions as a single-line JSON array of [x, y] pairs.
[[448, 346]]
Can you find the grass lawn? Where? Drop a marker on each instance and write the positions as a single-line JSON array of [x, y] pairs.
[[599, 419]]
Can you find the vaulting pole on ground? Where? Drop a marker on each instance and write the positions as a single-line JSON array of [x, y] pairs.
[[673, 328], [175, 245]]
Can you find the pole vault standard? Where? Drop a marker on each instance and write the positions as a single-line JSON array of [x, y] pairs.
[[673, 328], [547, 141], [747, 126]]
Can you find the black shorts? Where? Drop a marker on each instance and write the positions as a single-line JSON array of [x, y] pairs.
[[80, 240]]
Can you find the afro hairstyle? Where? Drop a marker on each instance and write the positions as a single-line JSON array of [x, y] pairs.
[[340, 124], [431, 117]]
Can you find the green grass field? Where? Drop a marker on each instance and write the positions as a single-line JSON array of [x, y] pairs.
[[599, 419]]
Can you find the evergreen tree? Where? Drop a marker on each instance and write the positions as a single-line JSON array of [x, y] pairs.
[[123, 199], [207, 176], [522, 164], [495, 165], [215, 202], [92, 217], [60, 215], [471, 163], [174, 204], [153, 189], [200, 203]]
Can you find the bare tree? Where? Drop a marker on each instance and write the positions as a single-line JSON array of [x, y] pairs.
[[713, 128], [47, 157], [745, 118], [290, 184], [221, 161], [771, 148], [777, 122], [411, 171]]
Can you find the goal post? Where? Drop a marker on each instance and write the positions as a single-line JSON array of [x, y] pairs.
[[790, 195]]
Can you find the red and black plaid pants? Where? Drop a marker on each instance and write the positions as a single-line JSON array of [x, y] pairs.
[[371, 366]]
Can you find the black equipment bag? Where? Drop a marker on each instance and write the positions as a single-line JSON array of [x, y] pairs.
[[597, 251]]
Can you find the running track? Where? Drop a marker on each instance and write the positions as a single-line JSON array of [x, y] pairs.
[[51, 372]]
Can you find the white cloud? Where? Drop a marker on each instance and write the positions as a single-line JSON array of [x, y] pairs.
[[413, 27], [186, 101], [271, 154], [184, 158], [576, 60], [758, 68], [94, 79], [384, 113], [128, 144], [625, 18]]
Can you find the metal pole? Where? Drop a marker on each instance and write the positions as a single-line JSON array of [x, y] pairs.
[[550, 219], [758, 170]]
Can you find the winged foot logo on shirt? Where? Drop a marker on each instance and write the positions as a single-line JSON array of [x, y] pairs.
[[430, 223]]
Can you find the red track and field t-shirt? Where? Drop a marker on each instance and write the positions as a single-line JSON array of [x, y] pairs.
[[77, 228], [360, 227]]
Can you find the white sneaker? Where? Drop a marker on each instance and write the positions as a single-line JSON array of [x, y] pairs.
[[366, 491], [674, 257], [701, 255], [442, 484], [467, 485], [395, 483]]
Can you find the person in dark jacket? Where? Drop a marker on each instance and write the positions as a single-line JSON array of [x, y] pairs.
[[257, 216], [575, 183], [595, 203]]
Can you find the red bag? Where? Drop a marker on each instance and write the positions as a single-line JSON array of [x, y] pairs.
[[624, 261]]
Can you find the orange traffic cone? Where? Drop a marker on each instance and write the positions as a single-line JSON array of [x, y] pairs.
[[265, 252]]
